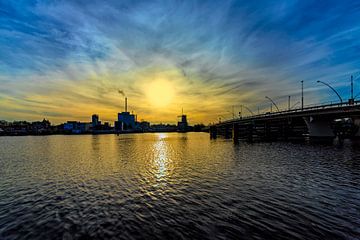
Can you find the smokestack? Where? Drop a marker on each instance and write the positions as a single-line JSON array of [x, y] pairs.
[[125, 104]]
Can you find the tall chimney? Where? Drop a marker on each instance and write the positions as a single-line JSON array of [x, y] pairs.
[[125, 104]]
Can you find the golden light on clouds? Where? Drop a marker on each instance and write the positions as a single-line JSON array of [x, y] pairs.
[[155, 94]]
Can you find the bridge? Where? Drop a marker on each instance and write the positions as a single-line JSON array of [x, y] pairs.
[[321, 122]]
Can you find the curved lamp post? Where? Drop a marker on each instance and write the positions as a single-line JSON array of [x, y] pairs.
[[326, 84], [232, 114], [273, 103], [298, 102], [352, 86], [248, 109]]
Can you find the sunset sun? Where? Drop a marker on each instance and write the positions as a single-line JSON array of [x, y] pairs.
[[160, 93]]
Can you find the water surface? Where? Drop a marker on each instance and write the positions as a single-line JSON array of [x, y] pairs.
[[176, 186]]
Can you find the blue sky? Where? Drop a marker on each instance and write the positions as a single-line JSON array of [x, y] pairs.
[[64, 60]]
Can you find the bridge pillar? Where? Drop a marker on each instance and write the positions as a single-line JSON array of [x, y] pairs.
[[320, 128], [250, 132], [213, 132], [267, 131], [235, 132], [227, 132], [286, 129], [357, 123]]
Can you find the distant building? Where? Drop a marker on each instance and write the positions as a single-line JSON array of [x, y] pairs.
[[70, 125], [40, 126], [143, 126], [126, 121], [107, 125], [182, 126], [25, 128], [163, 128], [77, 127], [95, 121]]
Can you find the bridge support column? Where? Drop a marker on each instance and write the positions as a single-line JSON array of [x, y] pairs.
[[250, 132], [286, 129], [227, 132], [319, 129], [213, 132], [356, 121], [235, 133], [267, 131]]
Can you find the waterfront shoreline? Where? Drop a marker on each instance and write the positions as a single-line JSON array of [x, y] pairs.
[[103, 133]]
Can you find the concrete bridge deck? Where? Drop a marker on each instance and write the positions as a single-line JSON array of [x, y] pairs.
[[321, 121]]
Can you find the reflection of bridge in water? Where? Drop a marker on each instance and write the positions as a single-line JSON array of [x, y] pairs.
[[323, 122]]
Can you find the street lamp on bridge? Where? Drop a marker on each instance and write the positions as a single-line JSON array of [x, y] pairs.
[[352, 87], [272, 103], [249, 110], [302, 94], [292, 107], [328, 85]]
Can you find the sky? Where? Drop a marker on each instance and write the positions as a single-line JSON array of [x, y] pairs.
[[66, 60]]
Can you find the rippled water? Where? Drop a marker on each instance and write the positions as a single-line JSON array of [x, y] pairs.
[[174, 186]]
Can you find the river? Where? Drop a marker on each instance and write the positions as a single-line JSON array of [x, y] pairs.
[[176, 186]]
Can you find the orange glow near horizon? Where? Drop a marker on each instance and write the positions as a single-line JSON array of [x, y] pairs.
[[155, 94]]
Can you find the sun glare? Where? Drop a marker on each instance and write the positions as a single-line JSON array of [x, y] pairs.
[[160, 93]]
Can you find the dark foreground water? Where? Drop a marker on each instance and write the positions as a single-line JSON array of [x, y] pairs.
[[176, 186]]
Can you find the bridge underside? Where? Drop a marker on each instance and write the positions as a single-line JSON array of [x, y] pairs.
[[317, 127], [262, 130]]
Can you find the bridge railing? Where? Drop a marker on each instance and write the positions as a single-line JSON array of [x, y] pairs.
[[312, 107]]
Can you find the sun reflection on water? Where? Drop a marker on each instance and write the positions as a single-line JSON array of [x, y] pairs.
[[161, 157]]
